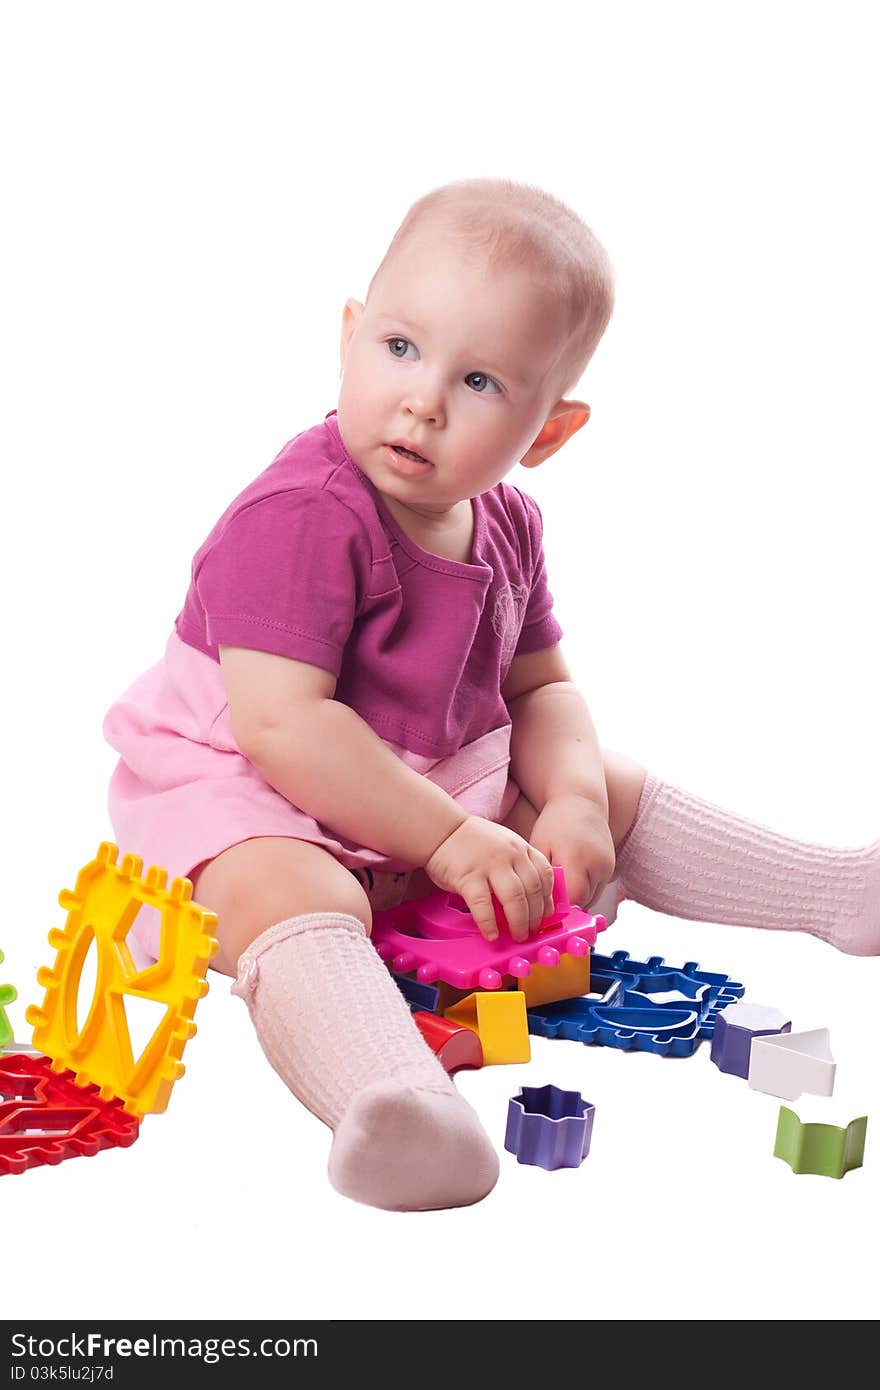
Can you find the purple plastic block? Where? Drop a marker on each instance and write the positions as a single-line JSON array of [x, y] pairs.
[[735, 1027], [549, 1128]]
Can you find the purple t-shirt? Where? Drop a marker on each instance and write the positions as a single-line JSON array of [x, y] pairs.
[[309, 563]]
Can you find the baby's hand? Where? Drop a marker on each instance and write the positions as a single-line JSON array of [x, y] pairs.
[[481, 858], [574, 832]]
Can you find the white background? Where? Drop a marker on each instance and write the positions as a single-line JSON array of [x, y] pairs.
[[191, 192]]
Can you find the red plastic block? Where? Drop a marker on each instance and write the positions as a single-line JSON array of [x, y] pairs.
[[454, 1045], [46, 1117]]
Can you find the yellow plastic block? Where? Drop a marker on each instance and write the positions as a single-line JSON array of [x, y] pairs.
[[548, 983], [102, 908], [499, 1020]]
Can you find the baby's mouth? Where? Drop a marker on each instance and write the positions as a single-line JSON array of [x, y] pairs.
[[409, 453]]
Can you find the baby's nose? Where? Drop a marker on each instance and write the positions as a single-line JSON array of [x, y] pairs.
[[429, 412], [426, 403]]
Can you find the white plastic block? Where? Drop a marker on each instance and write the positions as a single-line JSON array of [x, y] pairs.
[[787, 1064]]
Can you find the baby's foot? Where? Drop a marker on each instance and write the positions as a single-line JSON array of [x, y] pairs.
[[858, 931], [405, 1148]]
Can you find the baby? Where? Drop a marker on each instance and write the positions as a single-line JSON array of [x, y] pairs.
[[365, 698]]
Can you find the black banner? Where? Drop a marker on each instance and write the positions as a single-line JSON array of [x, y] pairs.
[[187, 1353], [197, 1353]]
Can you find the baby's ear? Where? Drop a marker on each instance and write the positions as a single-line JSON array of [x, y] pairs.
[[564, 420], [351, 315]]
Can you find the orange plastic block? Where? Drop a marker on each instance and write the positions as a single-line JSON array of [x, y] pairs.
[[102, 908], [499, 1020], [547, 984]]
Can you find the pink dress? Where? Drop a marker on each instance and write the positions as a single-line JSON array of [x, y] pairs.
[[308, 562]]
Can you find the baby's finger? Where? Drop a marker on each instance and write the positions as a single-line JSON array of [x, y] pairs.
[[533, 883], [511, 893], [482, 909], [545, 869]]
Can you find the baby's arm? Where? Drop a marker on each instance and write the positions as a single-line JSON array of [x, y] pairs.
[[553, 744], [557, 762], [325, 759]]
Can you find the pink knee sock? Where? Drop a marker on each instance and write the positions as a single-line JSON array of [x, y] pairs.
[[336, 1028], [691, 859]]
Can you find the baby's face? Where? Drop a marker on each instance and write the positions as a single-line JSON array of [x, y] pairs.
[[453, 359]]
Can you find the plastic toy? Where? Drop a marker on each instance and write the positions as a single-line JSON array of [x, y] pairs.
[[455, 1046], [567, 980], [435, 999], [46, 1117], [425, 998], [787, 1064], [7, 996], [549, 1128], [102, 908], [654, 976], [815, 1148], [447, 995], [438, 938], [19, 1049], [623, 1013], [499, 1020], [735, 1027]]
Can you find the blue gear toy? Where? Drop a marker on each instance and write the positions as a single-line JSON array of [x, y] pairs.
[[626, 1016]]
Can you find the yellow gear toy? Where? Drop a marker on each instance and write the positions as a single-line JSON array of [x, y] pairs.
[[102, 908]]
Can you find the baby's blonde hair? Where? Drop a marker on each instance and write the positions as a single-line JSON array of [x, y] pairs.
[[517, 225]]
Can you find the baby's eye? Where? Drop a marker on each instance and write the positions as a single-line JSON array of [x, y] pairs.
[[482, 384], [398, 346]]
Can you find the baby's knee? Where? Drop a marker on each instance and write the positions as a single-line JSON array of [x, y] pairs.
[[257, 884]]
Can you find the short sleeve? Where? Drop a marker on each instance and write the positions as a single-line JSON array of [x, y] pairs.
[[286, 574], [540, 628]]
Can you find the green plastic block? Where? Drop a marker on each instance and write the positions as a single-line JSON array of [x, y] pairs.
[[824, 1149], [7, 994]]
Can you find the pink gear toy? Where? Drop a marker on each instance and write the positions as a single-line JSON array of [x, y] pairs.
[[438, 938]]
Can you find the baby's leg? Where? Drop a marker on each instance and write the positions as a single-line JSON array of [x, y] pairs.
[[687, 857], [293, 927], [692, 859]]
